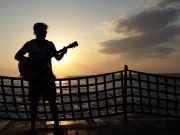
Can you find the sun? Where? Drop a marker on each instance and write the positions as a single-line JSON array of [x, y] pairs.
[[66, 58], [60, 67]]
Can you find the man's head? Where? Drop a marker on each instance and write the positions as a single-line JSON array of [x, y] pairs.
[[40, 30]]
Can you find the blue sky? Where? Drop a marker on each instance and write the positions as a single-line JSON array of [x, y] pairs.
[[111, 33]]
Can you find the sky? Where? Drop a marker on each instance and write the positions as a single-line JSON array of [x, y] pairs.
[[143, 34]]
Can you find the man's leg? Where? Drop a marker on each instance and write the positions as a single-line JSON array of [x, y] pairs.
[[57, 129], [33, 113], [54, 112]]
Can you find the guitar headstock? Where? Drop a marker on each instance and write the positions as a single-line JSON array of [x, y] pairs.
[[72, 45]]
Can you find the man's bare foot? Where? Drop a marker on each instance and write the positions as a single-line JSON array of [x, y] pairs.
[[58, 130], [31, 132]]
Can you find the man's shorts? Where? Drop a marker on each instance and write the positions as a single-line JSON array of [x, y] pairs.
[[42, 87]]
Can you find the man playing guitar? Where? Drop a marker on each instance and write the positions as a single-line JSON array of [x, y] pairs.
[[40, 52]]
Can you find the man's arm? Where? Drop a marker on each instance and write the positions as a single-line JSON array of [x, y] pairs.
[[20, 54], [58, 56]]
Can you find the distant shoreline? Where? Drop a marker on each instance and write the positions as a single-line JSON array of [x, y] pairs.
[[74, 76]]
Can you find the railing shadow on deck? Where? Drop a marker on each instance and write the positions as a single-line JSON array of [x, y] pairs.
[[116, 93]]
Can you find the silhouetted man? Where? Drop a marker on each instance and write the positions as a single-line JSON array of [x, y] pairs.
[[40, 52]]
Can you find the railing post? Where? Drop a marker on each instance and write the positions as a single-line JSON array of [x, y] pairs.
[[124, 92]]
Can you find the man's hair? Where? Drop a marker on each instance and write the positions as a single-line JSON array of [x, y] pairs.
[[39, 26]]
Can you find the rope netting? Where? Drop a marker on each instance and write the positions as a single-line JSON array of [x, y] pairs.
[[117, 93]]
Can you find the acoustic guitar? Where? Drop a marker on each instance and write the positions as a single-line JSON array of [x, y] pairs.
[[25, 68]]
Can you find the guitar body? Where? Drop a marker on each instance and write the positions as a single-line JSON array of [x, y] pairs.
[[26, 71]]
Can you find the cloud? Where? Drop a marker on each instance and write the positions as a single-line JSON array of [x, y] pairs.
[[145, 44], [145, 21], [166, 3], [148, 33]]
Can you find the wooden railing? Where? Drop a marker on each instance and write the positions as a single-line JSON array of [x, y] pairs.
[[117, 93]]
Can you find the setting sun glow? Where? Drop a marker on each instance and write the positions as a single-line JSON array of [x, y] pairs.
[[143, 34]]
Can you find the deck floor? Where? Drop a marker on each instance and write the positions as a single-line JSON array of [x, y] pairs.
[[100, 127]]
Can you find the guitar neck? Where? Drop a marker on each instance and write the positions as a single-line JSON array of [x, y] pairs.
[[72, 45], [60, 51]]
